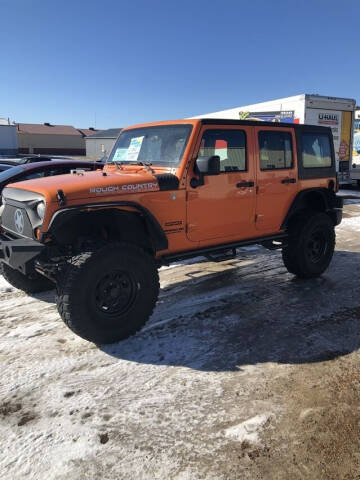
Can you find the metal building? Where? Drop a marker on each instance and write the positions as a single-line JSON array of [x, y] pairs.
[[101, 143], [51, 139]]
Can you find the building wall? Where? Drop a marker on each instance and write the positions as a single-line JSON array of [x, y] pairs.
[[8, 140], [98, 147], [51, 144]]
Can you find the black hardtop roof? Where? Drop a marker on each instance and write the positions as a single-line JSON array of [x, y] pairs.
[[259, 123]]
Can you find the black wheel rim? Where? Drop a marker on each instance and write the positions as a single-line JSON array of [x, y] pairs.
[[115, 293], [316, 246]]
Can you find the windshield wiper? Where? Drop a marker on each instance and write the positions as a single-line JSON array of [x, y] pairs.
[[113, 162], [145, 164]]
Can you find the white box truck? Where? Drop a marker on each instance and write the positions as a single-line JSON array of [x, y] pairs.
[[334, 112]]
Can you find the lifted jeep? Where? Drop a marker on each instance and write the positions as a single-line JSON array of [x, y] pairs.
[[170, 191]]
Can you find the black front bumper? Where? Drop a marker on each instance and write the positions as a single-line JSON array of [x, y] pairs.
[[19, 253]]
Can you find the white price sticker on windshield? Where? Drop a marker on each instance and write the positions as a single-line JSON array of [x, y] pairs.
[[134, 149], [120, 155]]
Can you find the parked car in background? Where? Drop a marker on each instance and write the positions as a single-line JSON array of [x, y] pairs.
[[29, 171], [4, 167]]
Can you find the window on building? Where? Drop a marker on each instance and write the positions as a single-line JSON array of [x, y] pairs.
[[316, 151], [229, 145], [275, 150]]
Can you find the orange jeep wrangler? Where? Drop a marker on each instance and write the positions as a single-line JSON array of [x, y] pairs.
[[170, 190]]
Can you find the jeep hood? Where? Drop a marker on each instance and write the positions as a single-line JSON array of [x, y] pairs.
[[90, 185]]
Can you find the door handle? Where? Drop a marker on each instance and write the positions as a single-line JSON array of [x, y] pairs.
[[245, 184], [288, 180]]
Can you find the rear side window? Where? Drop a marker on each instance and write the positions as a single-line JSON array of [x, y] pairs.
[[275, 150], [316, 150], [229, 145]]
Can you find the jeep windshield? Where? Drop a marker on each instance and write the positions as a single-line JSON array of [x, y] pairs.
[[162, 145]]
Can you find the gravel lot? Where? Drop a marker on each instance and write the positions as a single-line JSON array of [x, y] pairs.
[[243, 372]]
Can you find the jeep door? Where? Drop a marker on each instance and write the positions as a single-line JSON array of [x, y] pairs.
[[276, 181], [224, 206]]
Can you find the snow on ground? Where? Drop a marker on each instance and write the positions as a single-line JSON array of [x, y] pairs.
[[248, 431], [352, 222], [350, 225], [243, 372]]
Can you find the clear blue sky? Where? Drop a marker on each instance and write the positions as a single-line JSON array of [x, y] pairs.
[[132, 61]]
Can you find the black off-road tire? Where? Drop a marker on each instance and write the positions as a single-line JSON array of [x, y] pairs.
[[34, 283], [311, 245], [108, 293]]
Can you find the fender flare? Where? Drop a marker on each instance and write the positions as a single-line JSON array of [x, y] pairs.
[[155, 230], [331, 201]]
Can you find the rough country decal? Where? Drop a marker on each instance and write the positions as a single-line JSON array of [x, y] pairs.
[[132, 187], [139, 186]]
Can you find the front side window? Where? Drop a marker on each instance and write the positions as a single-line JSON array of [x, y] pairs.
[[275, 150], [229, 145], [162, 145], [316, 150]]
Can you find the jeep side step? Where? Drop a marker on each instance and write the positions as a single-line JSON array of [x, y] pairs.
[[221, 256], [267, 242]]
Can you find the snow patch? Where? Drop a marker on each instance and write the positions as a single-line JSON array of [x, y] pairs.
[[249, 429], [353, 222], [309, 411], [189, 261], [5, 287]]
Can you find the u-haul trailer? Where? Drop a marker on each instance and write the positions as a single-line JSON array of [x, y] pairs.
[[334, 112]]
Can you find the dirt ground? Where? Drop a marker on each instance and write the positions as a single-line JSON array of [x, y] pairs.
[[243, 372]]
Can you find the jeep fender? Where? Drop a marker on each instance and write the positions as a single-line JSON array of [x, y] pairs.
[[319, 199], [152, 227]]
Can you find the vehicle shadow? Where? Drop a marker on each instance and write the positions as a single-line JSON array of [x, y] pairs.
[[351, 200], [350, 194], [48, 296], [253, 312]]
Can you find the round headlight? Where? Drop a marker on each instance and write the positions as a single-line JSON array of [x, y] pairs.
[[40, 209]]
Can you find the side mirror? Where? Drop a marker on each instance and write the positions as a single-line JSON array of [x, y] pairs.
[[208, 165], [205, 166]]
